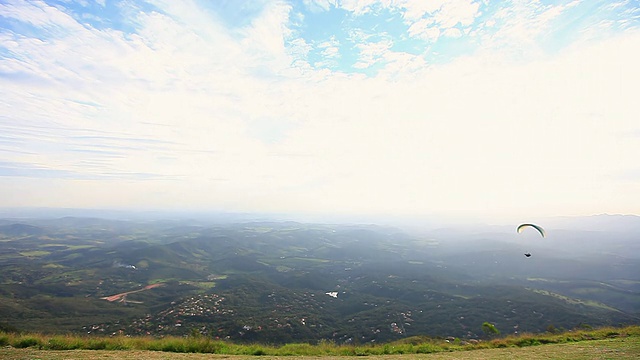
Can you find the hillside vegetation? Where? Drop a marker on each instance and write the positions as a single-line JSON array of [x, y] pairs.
[[619, 343], [288, 282]]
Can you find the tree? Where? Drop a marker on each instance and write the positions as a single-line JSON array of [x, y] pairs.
[[489, 329]]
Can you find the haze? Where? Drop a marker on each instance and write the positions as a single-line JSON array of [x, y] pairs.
[[462, 108]]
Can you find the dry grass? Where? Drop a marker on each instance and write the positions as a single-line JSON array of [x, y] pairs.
[[603, 343], [615, 348]]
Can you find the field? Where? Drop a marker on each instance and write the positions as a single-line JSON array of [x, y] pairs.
[[618, 348], [603, 343]]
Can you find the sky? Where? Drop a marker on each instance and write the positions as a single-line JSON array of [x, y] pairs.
[[500, 109]]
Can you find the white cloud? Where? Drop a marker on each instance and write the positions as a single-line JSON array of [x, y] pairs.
[[187, 104], [357, 35], [268, 32], [424, 29], [137, 86], [41, 15], [444, 14], [402, 65], [416, 9], [520, 26], [461, 12], [324, 5], [371, 53], [330, 48], [358, 7], [473, 135], [452, 33], [299, 51]]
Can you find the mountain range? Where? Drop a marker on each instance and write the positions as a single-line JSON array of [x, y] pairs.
[[283, 281]]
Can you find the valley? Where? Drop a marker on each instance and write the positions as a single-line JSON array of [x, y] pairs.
[[280, 282]]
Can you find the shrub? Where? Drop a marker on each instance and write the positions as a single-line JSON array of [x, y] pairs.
[[426, 349], [347, 351], [527, 342], [4, 340], [259, 351], [95, 344], [57, 344], [173, 345], [26, 342], [299, 349], [116, 344], [361, 351], [218, 347], [250, 350]]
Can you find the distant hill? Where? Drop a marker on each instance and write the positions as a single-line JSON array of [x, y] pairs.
[[21, 230], [602, 222], [289, 281]]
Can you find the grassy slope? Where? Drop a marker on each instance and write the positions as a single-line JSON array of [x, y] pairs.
[[619, 348], [615, 348]]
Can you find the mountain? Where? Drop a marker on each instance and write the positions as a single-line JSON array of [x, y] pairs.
[[603, 222], [290, 281], [20, 230]]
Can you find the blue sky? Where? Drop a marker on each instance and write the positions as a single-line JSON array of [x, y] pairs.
[[495, 109]]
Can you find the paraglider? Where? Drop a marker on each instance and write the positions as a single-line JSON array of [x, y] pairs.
[[521, 228]]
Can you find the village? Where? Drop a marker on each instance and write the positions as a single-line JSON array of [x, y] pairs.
[[211, 315]]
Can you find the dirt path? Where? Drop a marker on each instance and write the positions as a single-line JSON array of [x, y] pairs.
[[123, 296]]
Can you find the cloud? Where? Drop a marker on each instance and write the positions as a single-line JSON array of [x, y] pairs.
[[320, 5], [415, 10], [452, 32], [25, 170], [521, 26], [453, 13], [358, 7], [184, 110], [268, 31], [423, 139], [424, 29], [330, 48], [428, 18], [40, 15], [330, 51], [425, 18], [372, 52]]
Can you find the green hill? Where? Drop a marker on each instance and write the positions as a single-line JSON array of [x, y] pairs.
[[292, 282]]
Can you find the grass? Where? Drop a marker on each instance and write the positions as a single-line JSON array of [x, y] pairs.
[[35, 253], [575, 301], [205, 285], [617, 340], [617, 348]]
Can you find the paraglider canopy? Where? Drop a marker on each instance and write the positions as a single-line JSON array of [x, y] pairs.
[[523, 226]]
